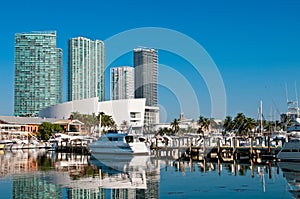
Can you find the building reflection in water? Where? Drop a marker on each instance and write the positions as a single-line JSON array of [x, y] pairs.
[[28, 180], [40, 174]]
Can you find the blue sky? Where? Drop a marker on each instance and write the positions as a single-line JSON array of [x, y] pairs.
[[255, 45]]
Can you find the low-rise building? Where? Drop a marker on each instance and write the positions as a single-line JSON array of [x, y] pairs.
[[130, 110]]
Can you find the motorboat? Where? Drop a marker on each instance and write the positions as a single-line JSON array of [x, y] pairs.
[[290, 151], [120, 143]]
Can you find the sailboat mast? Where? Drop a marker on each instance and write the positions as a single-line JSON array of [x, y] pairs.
[[261, 123], [297, 107]]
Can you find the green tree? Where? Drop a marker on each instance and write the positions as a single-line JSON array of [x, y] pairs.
[[249, 125], [175, 125], [160, 132], [76, 116], [203, 123], [106, 121], [46, 129], [239, 123], [165, 130], [228, 124], [89, 121]]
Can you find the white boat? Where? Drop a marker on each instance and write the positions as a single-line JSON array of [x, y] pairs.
[[290, 151], [120, 143]]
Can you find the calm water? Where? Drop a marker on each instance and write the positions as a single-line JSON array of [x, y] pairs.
[[40, 174]]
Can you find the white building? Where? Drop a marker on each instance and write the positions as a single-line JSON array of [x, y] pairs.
[[121, 83], [85, 69], [130, 110]]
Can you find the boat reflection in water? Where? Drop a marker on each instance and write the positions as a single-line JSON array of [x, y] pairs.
[[291, 171], [124, 171], [42, 174]]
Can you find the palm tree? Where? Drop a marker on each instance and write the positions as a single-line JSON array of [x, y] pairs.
[[228, 124], [239, 121], [175, 125], [89, 121], [249, 124], [203, 123], [76, 116], [106, 121], [160, 132]]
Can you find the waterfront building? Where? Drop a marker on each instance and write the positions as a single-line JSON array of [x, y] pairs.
[[145, 76], [145, 82], [121, 83], [10, 124], [130, 110], [38, 72], [85, 69]]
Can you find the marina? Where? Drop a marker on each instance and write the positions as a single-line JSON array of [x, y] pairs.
[[74, 161]]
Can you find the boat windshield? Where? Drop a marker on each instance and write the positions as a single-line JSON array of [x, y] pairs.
[[112, 137], [129, 138]]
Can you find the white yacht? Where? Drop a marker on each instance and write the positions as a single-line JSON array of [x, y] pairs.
[[290, 151], [121, 144]]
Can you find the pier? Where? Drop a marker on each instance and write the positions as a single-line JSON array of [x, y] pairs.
[[225, 152]]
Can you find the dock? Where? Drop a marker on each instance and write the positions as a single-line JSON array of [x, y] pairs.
[[224, 153]]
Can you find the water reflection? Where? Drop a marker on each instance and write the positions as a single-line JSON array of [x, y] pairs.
[[291, 171], [44, 174], [41, 174]]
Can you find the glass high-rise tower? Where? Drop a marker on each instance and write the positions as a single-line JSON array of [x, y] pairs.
[[121, 83], [86, 69], [38, 72], [145, 75]]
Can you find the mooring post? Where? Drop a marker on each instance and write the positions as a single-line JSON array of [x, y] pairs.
[[251, 147], [219, 148], [234, 145], [191, 145], [269, 143], [252, 168]]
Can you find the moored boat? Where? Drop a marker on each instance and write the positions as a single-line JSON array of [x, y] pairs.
[[290, 151], [120, 143]]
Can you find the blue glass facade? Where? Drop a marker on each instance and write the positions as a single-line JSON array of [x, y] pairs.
[[38, 72], [85, 69], [146, 74]]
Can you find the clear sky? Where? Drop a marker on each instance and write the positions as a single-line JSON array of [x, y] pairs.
[[254, 44]]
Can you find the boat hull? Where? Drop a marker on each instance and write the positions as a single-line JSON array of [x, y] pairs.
[[119, 149], [290, 152]]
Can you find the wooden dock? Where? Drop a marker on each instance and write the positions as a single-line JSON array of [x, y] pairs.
[[186, 148], [224, 153]]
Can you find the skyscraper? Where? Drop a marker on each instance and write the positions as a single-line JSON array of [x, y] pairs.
[[38, 72], [145, 76], [85, 69], [121, 83], [145, 83]]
